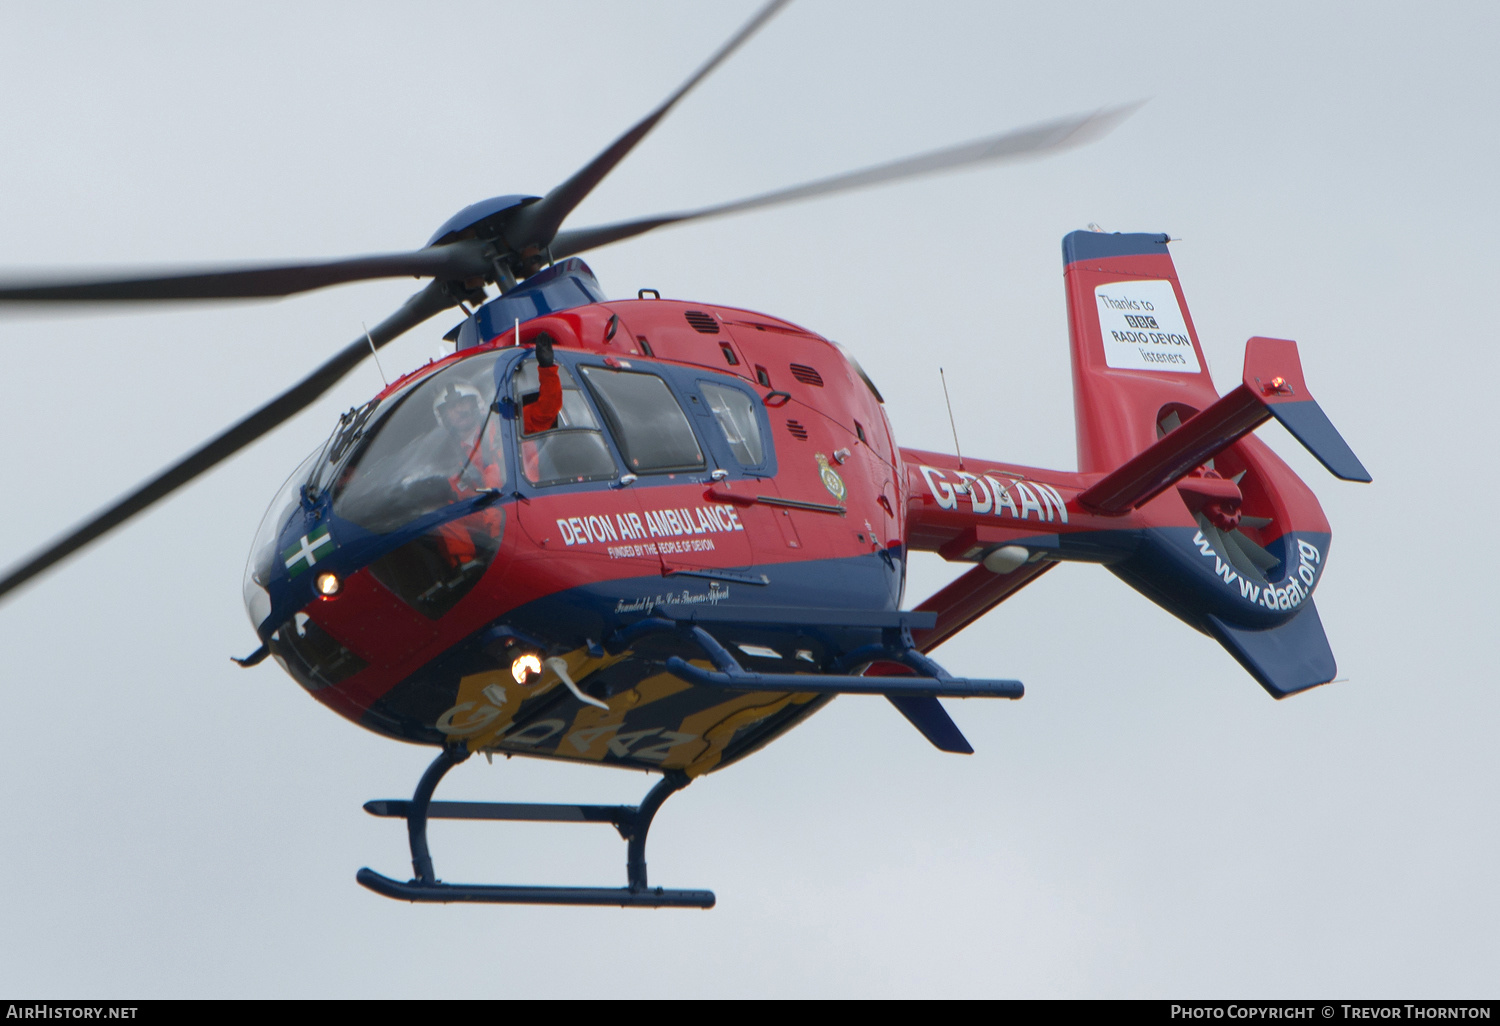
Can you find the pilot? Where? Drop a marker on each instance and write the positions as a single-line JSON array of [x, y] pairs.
[[461, 411], [541, 408]]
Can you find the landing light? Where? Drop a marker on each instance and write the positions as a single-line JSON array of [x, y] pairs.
[[329, 584], [526, 665]]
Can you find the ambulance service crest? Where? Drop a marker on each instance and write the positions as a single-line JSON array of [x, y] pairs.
[[831, 479]]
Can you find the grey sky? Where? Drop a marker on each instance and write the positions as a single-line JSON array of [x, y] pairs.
[[1146, 822]]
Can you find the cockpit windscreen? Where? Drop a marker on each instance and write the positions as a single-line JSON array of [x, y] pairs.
[[441, 443]]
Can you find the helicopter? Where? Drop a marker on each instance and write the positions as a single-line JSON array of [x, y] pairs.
[[710, 540]]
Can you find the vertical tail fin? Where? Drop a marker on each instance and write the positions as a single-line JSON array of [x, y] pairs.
[[1135, 353], [1239, 556]]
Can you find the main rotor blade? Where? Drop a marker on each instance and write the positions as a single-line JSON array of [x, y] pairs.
[[431, 300], [454, 262], [536, 224], [1036, 140]]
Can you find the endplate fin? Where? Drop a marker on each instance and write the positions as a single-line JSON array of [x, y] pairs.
[[928, 715], [1286, 659]]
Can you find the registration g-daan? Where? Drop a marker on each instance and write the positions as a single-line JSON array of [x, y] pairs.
[[654, 534]]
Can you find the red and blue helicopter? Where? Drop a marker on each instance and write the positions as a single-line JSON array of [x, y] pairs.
[[657, 534]]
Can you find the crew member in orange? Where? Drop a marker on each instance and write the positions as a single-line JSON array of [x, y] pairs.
[[540, 408], [540, 414]]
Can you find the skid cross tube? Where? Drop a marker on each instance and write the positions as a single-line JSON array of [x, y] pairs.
[[633, 822]]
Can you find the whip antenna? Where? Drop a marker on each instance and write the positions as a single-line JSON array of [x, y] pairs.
[[942, 377], [373, 353]]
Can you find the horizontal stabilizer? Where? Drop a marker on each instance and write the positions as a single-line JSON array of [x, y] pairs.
[[928, 715], [1286, 659], [1272, 387]]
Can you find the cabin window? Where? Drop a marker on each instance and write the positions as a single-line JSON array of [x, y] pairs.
[[735, 413], [572, 448], [653, 433]]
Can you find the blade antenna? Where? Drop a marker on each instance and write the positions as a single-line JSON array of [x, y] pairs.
[[944, 379]]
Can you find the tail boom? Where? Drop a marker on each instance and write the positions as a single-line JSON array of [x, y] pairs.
[[1164, 548]]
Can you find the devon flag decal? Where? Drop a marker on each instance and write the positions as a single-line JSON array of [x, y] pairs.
[[305, 553]]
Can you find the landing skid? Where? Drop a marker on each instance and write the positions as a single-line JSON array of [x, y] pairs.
[[632, 821]]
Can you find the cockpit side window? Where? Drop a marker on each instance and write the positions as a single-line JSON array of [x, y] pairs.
[[734, 411], [572, 448], [653, 433]]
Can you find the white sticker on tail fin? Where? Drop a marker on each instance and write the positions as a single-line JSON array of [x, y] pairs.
[[1143, 327]]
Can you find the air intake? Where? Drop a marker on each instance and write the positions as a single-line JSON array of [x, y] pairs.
[[703, 322], [807, 375], [798, 431]]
